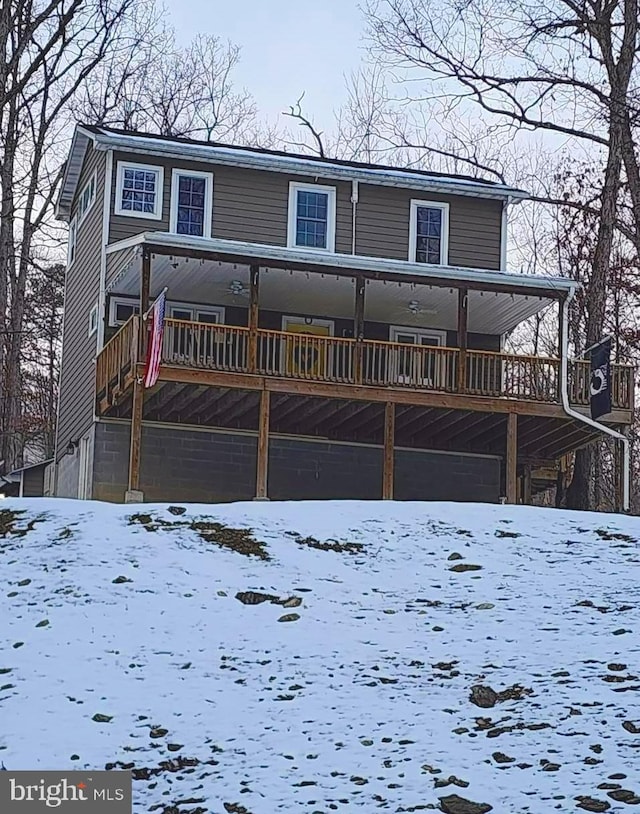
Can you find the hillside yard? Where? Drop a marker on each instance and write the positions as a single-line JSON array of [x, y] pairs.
[[254, 658]]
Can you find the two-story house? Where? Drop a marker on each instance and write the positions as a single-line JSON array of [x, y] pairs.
[[333, 330]]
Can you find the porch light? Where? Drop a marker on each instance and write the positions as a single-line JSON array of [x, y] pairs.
[[71, 447]]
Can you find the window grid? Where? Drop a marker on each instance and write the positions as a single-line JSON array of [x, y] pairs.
[[311, 219], [429, 234], [87, 197], [139, 190], [191, 205]]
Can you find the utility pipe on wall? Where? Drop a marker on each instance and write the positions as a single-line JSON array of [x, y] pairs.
[[354, 206], [564, 392]]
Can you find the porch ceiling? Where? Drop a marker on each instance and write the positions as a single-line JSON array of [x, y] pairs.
[[320, 294]]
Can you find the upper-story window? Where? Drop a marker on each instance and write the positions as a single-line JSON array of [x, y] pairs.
[[139, 190], [429, 233], [191, 201], [86, 199], [312, 217]]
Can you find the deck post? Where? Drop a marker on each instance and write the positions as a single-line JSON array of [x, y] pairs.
[[388, 461], [263, 447], [463, 320], [254, 288], [145, 287], [526, 485], [358, 328], [512, 458], [133, 493]]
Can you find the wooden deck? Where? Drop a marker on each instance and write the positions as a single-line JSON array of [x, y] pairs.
[[306, 363]]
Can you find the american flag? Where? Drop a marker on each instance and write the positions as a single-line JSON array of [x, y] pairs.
[[154, 350]]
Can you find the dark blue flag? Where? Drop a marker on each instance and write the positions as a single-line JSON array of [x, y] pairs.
[[600, 388]]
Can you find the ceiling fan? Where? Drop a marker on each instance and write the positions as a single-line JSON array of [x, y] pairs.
[[238, 289], [415, 308]]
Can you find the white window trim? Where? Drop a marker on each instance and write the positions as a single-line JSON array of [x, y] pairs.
[[208, 200], [72, 242], [190, 306], [294, 188], [413, 230], [128, 213], [394, 330], [321, 323], [93, 320], [113, 303], [82, 215]]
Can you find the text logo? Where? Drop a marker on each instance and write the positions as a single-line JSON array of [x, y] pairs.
[[65, 792]]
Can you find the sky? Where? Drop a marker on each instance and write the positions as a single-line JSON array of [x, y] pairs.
[[288, 46]]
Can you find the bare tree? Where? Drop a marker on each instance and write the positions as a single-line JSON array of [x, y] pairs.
[[161, 88], [557, 67], [50, 47]]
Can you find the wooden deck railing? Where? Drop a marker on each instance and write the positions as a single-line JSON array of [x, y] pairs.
[[345, 361], [116, 361]]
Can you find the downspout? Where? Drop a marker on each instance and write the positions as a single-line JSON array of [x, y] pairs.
[[106, 219], [354, 207], [564, 392], [503, 233]]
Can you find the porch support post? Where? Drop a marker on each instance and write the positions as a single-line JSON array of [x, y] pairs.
[[133, 493], [263, 447], [463, 319], [388, 461], [512, 458], [145, 287], [254, 283], [358, 328], [526, 485]]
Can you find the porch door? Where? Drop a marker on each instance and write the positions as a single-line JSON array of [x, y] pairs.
[[305, 358], [190, 344], [418, 367]]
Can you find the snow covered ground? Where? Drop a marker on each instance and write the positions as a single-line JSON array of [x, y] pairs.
[[355, 684]]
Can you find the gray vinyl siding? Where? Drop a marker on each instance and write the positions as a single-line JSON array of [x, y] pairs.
[[248, 205], [252, 206], [82, 286], [382, 227]]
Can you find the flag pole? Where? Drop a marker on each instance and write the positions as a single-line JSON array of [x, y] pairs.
[[150, 309], [604, 339]]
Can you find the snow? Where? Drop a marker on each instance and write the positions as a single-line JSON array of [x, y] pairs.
[[363, 702]]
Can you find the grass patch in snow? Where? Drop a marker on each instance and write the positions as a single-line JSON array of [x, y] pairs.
[[329, 545], [9, 519], [240, 540]]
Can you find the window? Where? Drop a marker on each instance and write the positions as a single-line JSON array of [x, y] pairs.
[[86, 199], [121, 308], [416, 366], [312, 217], [429, 233], [93, 320], [195, 343], [139, 191], [71, 247], [191, 200]]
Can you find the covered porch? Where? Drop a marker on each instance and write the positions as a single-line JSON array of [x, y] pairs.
[[396, 346]]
